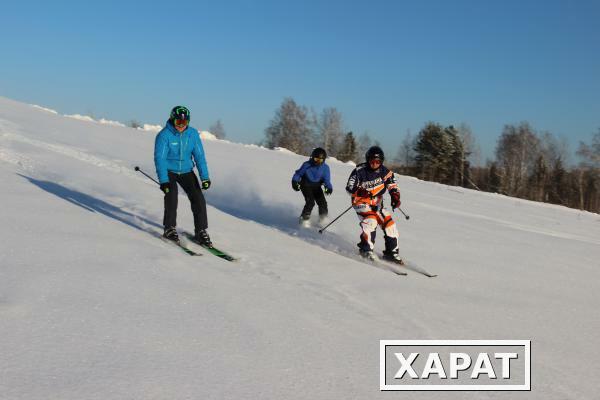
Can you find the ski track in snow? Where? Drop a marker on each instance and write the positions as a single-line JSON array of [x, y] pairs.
[[334, 243], [75, 153], [513, 225], [332, 298]]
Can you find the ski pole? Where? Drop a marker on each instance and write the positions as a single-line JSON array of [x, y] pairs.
[[405, 216], [338, 217], [145, 174]]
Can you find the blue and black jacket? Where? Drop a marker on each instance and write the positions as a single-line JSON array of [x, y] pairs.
[[174, 151], [313, 174]]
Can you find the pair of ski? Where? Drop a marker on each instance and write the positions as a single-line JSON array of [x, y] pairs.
[[394, 265], [212, 250]]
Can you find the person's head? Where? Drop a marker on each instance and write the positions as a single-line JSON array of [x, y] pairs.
[[318, 156], [180, 118], [374, 157]]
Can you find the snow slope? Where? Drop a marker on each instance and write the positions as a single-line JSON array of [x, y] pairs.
[[93, 306]]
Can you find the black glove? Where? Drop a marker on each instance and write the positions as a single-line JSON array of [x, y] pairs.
[[205, 184], [362, 192], [395, 199], [295, 185], [165, 187], [327, 191]]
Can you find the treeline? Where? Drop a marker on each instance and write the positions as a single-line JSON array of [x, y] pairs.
[[528, 164], [299, 129]]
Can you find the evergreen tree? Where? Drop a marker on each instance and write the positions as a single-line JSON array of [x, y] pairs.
[[440, 155], [218, 130], [348, 149]]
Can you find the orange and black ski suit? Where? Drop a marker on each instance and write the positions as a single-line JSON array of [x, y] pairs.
[[366, 187]]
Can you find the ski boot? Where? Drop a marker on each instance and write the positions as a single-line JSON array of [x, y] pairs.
[[171, 234], [323, 220], [368, 254], [304, 220], [393, 256], [201, 237]]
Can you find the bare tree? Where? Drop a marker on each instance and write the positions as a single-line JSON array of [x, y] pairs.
[[471, 148], [406, 153], [516, 153], [291, 128], [591, 152], [330, 130], [363, 143]]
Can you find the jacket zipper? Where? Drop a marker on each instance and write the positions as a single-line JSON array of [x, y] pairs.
[[180, 151]]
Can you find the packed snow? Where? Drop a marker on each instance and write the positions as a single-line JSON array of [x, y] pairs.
[[94, 306]]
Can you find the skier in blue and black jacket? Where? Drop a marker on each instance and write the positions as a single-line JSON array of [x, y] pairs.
[[309, 178], [177, 149]]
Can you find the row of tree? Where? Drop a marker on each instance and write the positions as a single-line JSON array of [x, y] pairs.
[[300, 129], [528, 164]]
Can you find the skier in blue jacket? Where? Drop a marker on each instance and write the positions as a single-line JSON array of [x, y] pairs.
[[177, 149], [308, 179]]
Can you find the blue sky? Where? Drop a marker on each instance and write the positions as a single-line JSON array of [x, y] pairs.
[[387, 66]]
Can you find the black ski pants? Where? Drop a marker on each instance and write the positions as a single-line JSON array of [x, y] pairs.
[[191, 186], [313, 193]]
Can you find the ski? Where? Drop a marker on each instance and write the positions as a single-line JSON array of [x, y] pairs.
[[410, 266], [378, 263], [181, 246], [415, 268], [213, 250], [389, 267]]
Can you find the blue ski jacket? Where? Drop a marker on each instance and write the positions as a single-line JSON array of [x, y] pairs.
[[313, 173], [173, 152]]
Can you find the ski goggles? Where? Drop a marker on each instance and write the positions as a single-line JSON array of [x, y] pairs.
[[318, 160], [181, 122]]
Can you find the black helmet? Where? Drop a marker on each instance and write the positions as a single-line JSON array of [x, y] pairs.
[[180, 112], [319, 152], [374, 153]]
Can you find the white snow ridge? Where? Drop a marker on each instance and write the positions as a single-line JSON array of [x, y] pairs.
[[94, 306]]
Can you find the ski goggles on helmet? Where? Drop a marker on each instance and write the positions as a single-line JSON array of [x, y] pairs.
[[180, 122]]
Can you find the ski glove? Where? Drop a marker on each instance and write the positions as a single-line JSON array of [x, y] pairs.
[[295, 185], [165, 187], [206, 184], [327, 191], [395, 199], [362, 192]]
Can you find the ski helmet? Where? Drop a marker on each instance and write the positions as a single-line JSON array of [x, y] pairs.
[[319, 152], [374, 153], [180, 112]]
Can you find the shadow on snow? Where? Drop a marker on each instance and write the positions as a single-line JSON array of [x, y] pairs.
[[95, 205]]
